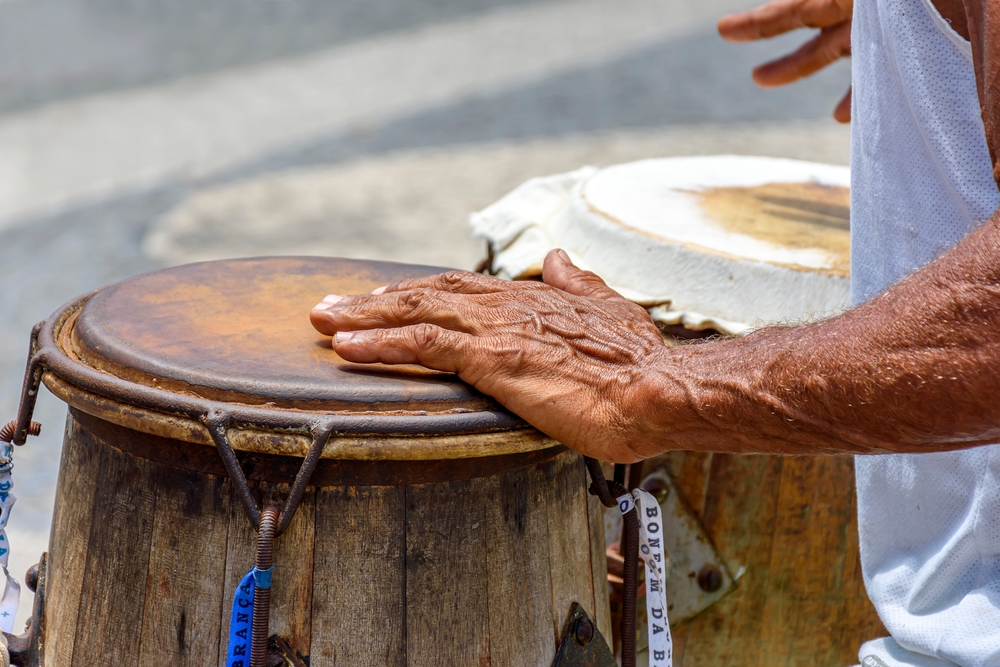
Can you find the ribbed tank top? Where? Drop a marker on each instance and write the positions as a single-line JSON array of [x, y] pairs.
[[921, 180]]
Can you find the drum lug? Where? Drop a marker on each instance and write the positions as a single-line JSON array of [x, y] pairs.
[[582, 644], [26, 650]]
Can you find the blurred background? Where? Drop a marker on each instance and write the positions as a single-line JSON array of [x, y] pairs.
[[136, 134]]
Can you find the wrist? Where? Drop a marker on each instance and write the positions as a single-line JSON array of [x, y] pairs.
[[678, 401]]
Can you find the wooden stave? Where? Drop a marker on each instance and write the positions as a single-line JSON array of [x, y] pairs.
[[791, 522], [157, 500]]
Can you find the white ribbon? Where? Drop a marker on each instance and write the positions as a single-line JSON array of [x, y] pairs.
[[12, 590], [661, 647]]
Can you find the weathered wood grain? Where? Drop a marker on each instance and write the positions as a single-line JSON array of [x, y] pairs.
[[146, 556], [792, 523], [114, 585], [359, 581], [518, 571], [807, 618], [239, 558], [860, 618], [740, 519], [446, 591], [569, 527], [599, 567], [79, 470], [291, 596], [180, 622], [691, 471]]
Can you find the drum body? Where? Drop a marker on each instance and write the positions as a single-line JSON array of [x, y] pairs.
[[419, 540], [787, 527]]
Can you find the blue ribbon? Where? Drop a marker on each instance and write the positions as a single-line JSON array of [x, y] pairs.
[[240, 623]]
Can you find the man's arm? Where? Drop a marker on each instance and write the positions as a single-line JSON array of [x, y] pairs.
[[912, 370], [915, 369]]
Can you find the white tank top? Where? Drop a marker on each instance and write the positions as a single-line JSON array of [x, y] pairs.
[[921, 180]]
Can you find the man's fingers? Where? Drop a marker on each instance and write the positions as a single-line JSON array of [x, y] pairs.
[[424, 344], [781, 16], [774, 18], [830, 45], [397, 309], [842, 114], [559, 271]]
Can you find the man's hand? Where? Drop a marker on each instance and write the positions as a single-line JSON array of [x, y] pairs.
[[831, 17], [569, 355]]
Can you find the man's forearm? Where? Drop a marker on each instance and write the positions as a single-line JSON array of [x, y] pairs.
[[915, 370]]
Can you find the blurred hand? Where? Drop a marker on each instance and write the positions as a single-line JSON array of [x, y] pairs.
[[832, 17], [569, 355]]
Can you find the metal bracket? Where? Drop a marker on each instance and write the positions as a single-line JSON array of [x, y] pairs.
[[269, 523], [582, 644], [27, 650], [697, 577], [218, 423]]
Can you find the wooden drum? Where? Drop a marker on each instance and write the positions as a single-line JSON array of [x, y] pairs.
[[437, 529]]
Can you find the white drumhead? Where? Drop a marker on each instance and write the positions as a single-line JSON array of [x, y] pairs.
[[776, 211], [731, 242]]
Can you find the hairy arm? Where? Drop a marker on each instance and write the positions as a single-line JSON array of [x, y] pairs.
[[912, 370]]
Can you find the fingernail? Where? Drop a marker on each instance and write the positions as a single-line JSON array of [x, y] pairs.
[[323, 305], [379, 290], [332, 299], [562, 254], [343, 336]]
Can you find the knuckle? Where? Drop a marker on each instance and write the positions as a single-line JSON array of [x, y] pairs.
[[451, 280], [425, 335], [592, 279], [410, 302], [639, 312]]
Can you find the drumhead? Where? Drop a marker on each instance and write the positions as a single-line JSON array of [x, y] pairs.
[[238, 331], [779, 212], [723, 242]]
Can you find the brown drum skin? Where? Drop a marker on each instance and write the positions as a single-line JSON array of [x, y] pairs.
[[792, 523], [144, 558]]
